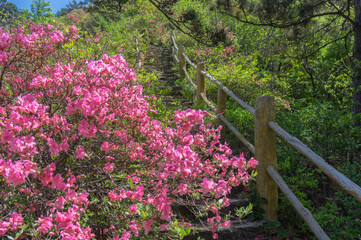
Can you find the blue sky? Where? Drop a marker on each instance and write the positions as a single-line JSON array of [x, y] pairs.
[[56, 5]]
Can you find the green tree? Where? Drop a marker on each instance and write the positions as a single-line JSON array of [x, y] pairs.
[[307, 23], [191, 22], [40, 9], [9, 11], [71, 6], [108, 8]]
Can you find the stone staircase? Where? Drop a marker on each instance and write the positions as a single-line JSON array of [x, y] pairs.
[[159, 59], [236, 231]]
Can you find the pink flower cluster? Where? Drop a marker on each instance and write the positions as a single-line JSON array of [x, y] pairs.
[[12, 223], [75, 130], [230, 50], [76, 15]]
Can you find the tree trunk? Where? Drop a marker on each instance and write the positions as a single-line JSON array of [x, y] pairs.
[[119, 5], [356, 77]]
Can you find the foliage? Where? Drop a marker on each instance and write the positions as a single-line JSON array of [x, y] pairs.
[[40, 9], [109, 9], [9, 12], [81, 150], [313, 100], [70, 7], [195, 19], [313, 92]]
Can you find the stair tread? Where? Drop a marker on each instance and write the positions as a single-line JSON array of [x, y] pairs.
[[159, 59]]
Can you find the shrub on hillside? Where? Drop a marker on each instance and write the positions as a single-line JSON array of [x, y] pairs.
[[80, 154]]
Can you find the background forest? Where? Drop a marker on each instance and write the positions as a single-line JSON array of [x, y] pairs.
[[304, 53]]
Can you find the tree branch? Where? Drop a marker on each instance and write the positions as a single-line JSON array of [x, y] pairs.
[[347, 17], [174, 22], [324, 45], [279, 25]]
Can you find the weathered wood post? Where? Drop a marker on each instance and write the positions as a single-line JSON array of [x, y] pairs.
[[140, 56], [265, 144], [200, 81], [221, 109], [174, 53], [182, 61], [171, 42]]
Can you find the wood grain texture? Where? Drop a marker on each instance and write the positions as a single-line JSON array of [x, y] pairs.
[[189, 61], [265, 143], [182, 62], [200, 81], [221, 110], [189, 78], [173, 41], [175, 58]]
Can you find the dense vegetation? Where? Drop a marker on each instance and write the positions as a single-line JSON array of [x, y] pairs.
[[84, 152], [83, 137], [308, 68]]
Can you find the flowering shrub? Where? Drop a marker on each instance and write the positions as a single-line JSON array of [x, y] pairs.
[[76, 15], [82, 158]]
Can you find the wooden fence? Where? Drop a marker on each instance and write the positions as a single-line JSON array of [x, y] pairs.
[[267, 180], [140, 56]]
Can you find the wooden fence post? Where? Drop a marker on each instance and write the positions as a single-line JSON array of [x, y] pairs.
[[171, 40], [200, 81], [265, 144], [221, 109], [182, 61]]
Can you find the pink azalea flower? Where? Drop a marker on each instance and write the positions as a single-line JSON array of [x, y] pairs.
[[4, 227], [135, 228], [208, 185], [252, 163], [57, 182], [105, 147], [113, 196], [225, 224], [183, 189], [126, 235], [147, 226], [53, 107], [16, 220], [59, 203], [109, 167], [64, 145], [80, 153], [53, 147], [133, 209], [45, 224]]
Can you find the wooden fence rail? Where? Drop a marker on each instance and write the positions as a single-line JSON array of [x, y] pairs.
[[268, 179], [140, 56]]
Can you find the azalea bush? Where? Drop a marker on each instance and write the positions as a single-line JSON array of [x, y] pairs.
[[81, 157]]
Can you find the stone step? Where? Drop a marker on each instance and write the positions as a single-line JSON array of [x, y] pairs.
[[160, 60], [186, 209], [236, 231], [177, 88]]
